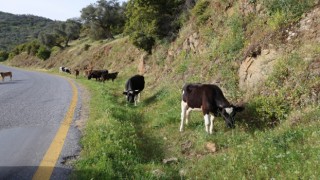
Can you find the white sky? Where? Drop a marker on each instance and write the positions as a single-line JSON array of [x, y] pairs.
[[52, 9]]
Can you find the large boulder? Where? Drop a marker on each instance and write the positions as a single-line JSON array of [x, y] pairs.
[[254, 71]]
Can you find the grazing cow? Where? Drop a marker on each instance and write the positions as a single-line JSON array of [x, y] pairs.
[[97, 74], [77, 73], [209, 99], [133, 88], [109, 76], [65, 69], [4, 74]]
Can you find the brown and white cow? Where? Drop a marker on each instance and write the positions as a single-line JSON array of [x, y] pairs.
[[209, 99]]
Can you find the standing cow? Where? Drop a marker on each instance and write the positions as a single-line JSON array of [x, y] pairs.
[[209, 99], [133, 88], [97, 74]]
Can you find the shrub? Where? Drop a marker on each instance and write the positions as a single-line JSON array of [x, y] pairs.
[[200, 7], [291, 8], [270, 110], [4, 55], [200, 11], [277, 20], [143, 41], [43, 53], [86, 47]]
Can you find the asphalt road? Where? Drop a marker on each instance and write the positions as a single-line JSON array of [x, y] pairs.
[[32, 107]]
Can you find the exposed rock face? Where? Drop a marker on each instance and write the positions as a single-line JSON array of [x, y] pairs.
[[191, 43], [308, 29], [142, 67], [310, 25], [255, 70]]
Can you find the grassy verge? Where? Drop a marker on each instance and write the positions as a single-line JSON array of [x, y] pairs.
[[127, 142]]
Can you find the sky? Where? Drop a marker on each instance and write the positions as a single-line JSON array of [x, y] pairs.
[[53, 9]]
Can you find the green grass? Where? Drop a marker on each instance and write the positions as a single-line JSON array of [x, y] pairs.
[[126, 142], [276, 137]]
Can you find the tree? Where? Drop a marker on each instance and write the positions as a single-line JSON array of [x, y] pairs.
[[43, 53], [70, 30], [63, 33], [50, 40], [105, 18], [3, 55], [149, 20]]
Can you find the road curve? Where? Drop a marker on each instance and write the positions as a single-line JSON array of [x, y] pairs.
[[32, 108]]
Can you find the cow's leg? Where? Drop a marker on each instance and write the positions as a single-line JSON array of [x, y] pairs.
[[135, 99], [207, 121], [184, 108], [188, 115], [138, 99], [211, 123]]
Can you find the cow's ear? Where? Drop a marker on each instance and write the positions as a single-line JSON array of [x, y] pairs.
[[125, 92]]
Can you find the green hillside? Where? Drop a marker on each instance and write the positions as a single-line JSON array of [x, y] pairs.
[[263, 54], [18, 29]]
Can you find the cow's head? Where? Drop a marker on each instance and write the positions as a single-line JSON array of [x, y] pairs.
[[228, 113], [131, 95], [89, 76]]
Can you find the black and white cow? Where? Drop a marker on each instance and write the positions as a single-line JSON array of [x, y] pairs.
[[65, 69], [209, 99], [133, 88]]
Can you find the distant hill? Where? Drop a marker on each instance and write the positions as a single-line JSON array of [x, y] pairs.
[[18, 29]]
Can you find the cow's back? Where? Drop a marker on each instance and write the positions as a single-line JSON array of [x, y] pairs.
[[135, 83], [214, 94], [209, 95]]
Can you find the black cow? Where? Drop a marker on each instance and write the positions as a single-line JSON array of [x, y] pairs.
[[209, 99], [133, 87], [97, 74], [109, 76]]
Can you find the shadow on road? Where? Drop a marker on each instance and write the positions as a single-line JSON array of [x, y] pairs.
[[10, 82], [27, 173]]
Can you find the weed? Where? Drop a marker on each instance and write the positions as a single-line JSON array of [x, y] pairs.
[[277, 20]]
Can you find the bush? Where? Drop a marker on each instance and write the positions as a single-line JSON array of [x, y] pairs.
[[200, 7], [200, 11], [277, 20], [86, 47], [290, 8], [142, 41], [270, 110], [3, 55], [43, 53]]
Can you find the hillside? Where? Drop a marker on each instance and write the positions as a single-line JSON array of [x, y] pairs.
[[18, 29], [263, 54]]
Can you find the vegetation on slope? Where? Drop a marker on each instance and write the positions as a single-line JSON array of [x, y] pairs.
[[18, 29], [277, 136]]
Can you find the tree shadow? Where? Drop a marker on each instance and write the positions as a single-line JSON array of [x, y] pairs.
[[149, 146], [152, 99]]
